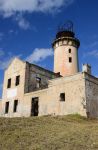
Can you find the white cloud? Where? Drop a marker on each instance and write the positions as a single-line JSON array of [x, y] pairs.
[[39, 55], [22, 22], [10, 7], [14, 8], [93, 53]]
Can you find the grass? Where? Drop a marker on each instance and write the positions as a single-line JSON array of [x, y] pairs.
[[71, 132]]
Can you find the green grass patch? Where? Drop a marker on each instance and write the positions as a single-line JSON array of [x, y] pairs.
[[71, 132]]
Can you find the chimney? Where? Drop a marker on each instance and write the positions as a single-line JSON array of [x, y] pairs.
[[86, 68]]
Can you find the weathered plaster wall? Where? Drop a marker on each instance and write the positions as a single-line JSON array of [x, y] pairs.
[[61, 55], [33, 71], [28, 75], [49, 99], [81, 92], [17, 67], [91, 85]]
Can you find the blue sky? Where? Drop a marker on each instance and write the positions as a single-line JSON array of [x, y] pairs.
[[28, 27]]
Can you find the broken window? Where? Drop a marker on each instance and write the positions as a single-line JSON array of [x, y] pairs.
[[70, 59], [38, 82], [17, 80], [62, 96], [9, 83], [15, 105], [6, 107], [69, 50]]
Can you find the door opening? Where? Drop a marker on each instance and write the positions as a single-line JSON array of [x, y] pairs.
[[34, 106]]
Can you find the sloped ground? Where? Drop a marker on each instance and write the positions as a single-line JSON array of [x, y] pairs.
[[49, 133]]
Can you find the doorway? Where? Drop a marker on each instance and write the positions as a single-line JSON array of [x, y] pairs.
[[35, 106]]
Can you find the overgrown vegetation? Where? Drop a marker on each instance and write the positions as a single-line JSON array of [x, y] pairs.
[[71, 132]]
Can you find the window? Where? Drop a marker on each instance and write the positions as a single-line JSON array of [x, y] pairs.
[[70, 59], [38, 82], [6, 107], [62, 96], [69, 50], [9, 83], [17, 80], [15, 105]]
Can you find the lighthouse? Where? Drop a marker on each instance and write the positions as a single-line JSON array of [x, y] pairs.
[[65, 48]]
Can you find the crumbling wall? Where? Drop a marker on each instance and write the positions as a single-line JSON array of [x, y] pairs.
[[32, 73], [49, 99], [91, 85], [28, 74], [17, 67]]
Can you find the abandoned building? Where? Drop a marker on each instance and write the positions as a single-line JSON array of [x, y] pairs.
[[30, 90]]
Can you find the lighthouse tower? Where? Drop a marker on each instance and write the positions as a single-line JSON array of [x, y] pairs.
[[65, 48]]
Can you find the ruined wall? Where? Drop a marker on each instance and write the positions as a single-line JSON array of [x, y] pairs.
[[81, 92], [49, 99], [28, 83], [17, 67], [32, 73], [91, 85]]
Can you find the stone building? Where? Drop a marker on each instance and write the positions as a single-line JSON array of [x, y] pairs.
[[30, 90]]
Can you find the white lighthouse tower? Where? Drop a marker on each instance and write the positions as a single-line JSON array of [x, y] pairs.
[[66, 51]]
